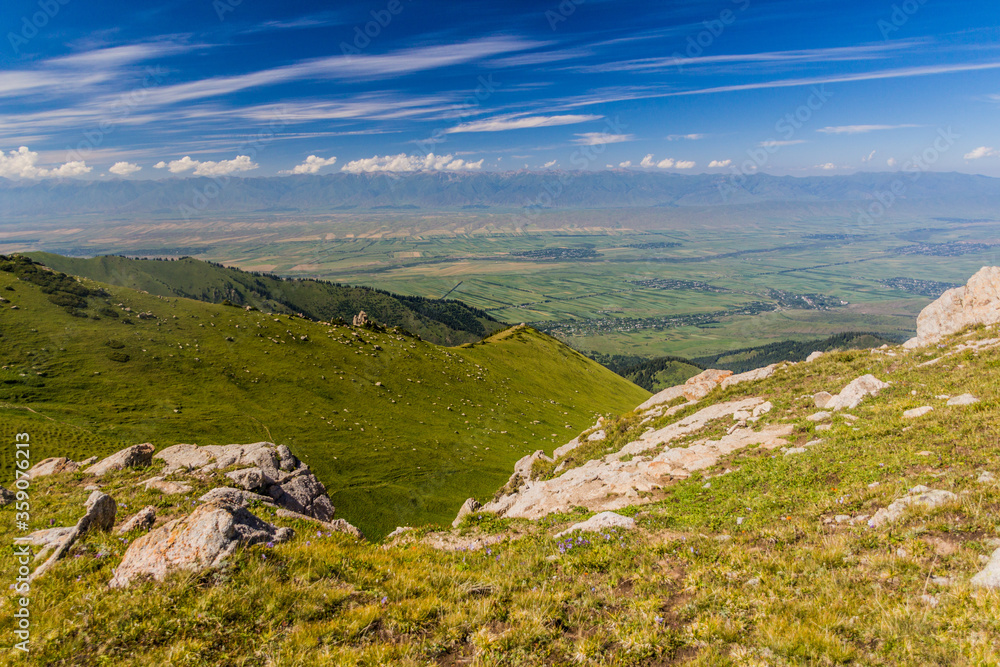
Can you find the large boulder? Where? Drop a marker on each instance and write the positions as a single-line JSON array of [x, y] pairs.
[[183, 457], [990, 576], [978, 302], [203, 539], [303, 493], [141, 520], [136, 456], [855, 392], [468, 507], [601, 522], [52, 466], [919, 496]]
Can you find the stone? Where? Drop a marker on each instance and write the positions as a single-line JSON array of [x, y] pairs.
[[335, 526], [141, 520], [819, 416], [964, 399], [248, 478], [795, 450], [762, 409], [919, 496], [286, 460], [856, 391], [814, 356], [100, 515], [986, 477], [468, 507], [6, 497], [52, 466], [303, 493], [989, 577], [822, 399], [236, 497], [750, 376], [978, 302], [183, 457], [600, 522], [203, 539], [360, 320], [917, 412], [824, 427], [597, 435], [136, 456], [701, 385]]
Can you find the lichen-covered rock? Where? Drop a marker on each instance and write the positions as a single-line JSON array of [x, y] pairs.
[[248, 478], [237, 497], [52, 466], [919, 496], [851, 396], [183, 457], [136, 456], [203, 539], [599, 522], [978, 302], [303, 493]]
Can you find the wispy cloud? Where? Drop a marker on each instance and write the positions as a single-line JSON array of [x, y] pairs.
[[601, 138], [779, 144], [519, 123], [690, 137], [861, 129]]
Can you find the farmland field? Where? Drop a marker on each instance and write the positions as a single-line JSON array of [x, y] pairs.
[[639, 281]]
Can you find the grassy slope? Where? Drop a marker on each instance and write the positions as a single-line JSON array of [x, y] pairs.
[[390, 455], [691, 586], [444, 322]]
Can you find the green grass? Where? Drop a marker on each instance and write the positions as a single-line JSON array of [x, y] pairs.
[[399, 435]]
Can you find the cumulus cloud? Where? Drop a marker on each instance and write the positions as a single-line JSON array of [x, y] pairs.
[[124, 168], [891, 162], [684, 164], [23, 163], [601, 138], [719, 164], [981, 152], [626, 164], [312, 165], [404, 162], [647, 161], [550, 163], [690, 137], [209, 167], [826, 167], [511, 123], [666, 163]]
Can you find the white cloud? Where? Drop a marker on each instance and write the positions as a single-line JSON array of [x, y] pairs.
[[312, 165], [869, 158], [826, 167], [647, 161], [691, 137], [626, 164], [981, 152], [860, 129], [779, 144], [719, 164], [551, 163], [404, 162], [124, 168], [684, 164], [511, 123], [666, 163], [891, 162], [209, 167], [23, 163], [601, 138]]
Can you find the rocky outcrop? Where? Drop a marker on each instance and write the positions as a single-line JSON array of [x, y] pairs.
[[52, 466], [136, 456], [978, 302], [360, 320], [701, 385], [851, 396], [990, 575], [617, 480], [100, 515], [203, 539], [919, 496], [263, 468], [600, 522]]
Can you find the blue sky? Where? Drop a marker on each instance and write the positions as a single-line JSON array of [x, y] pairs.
[[95, 89]]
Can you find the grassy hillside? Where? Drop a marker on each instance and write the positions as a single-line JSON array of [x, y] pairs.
[[749, 567], [401, 431], [439, 321]]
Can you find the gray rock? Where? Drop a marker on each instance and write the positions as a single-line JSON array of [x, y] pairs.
[[964, 399], [183, 457], [166, 487], [917, 412], [248, 478], [795, 450], [856, 391], [203, 539], [52, 466], [468, 507], [237, 497], [286, 460], [819, 416], [141, 520], [822, 399], [599, 522], [136, 456], [336, 526], [100, 515], [814, 356], [990, 575], [978, 302], [986, 477], [919, 496], [305, 494]]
